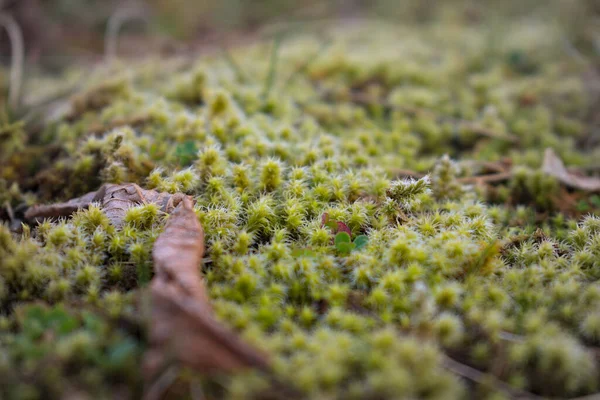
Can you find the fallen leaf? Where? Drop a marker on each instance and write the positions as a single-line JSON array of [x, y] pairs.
[[555, 167], [183, 327], [114, 201], [178, 252], [38, 212]]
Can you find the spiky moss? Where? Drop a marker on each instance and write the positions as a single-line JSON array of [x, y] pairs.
[[443, 272]]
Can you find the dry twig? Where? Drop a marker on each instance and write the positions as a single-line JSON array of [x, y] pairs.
[[18, 55]]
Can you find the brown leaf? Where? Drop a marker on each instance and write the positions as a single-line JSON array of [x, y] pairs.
[[114, 200], [178, 252], [183, 327], [38, 212], [554, 166]]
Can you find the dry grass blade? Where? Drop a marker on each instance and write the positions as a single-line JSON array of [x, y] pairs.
[[477, 376], [555, 167], [183, 327], [18, 55], [490, 178]]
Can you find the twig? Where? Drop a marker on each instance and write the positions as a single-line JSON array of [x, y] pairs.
[[17, 56], [477, 376], [196, 392], [511, 337], [162, 384], [131, 121], [484, 131], [115, 22], [595, 396], [491, 178]]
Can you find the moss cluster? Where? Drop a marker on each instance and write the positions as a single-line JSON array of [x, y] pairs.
[[495, 278]]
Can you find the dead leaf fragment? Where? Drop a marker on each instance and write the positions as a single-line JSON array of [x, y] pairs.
[[38, 212], [114, 201], [555, 167], [183, 328], [178, 252]]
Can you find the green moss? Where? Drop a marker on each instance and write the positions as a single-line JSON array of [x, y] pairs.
[[485, 276]]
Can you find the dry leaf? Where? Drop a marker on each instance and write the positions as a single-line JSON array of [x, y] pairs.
[[183, 327], [554, 166], [114, 201], [178, 252], [38, 212]]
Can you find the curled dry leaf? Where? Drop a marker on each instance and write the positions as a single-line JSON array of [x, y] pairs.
[[59, 209], [114, 201], [178, 252], [555, 167], [183, 328]]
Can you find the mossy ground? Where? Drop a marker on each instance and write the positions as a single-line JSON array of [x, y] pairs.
[[503, 278]]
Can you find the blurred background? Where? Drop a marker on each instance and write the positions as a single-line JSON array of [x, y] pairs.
[[59, 32], [54, 36]]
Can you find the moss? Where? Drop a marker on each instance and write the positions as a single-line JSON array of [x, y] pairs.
[[448, 269]]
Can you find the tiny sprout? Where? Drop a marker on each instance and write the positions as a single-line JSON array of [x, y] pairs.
[[343, 243]]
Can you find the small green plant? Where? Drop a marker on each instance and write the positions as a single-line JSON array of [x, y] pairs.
[[344, 244], [343, 235]]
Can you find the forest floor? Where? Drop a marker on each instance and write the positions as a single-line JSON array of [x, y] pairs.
[[348, 209]]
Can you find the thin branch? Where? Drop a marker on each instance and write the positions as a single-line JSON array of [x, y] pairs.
[[17, 47], [115, 22], [477, 376], [491, 178], [196, 392], [159, 387]]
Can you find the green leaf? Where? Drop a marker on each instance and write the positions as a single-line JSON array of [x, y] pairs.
[[595, 200], [361, 241], [344, 248], [343, 243], [342, 237]]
